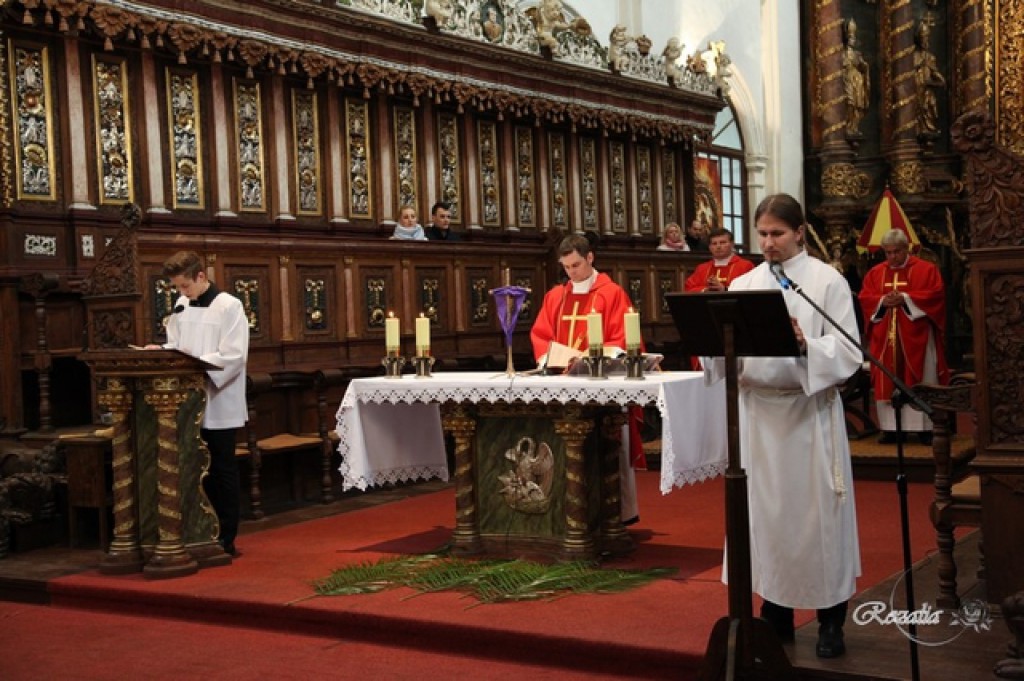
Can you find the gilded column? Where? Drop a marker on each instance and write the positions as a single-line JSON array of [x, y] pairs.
[[466, 537], [169, 558], [125, 554], [901, 98], [574, 429], [975, 79]]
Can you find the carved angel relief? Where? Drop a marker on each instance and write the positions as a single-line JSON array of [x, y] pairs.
[[526, 485]]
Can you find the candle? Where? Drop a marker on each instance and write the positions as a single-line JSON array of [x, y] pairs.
[[391, 334], [422, 336], [595, 334], [632, 322]]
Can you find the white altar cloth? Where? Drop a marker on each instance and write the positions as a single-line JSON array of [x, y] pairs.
[[389, 429]]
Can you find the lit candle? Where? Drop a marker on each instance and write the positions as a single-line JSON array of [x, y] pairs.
[[632, 322], [391, 334], [595, 335], [422, 336]]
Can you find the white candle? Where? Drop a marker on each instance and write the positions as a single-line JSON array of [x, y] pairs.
[[595, 334], [422, 336], [392, 331], [632, 323]]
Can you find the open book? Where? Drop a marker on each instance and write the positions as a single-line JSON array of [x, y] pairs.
[[564, 358]]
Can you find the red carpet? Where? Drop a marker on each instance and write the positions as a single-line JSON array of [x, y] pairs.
[[658, 631]]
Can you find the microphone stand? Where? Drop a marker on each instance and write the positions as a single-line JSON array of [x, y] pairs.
[[901, 395]]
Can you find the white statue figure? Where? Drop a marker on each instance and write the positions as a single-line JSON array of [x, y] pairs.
[[440, 11], [673, 50], [723, 65], [617, 42]]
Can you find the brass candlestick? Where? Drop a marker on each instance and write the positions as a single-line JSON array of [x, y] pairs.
[[393, 364], [423, 363], [597, 363], [634, 364]]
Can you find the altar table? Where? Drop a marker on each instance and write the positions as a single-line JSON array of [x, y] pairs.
[[391, 430]]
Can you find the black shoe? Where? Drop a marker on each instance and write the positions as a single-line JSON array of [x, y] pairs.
[[231, 550], [781, 620], [830, 641]]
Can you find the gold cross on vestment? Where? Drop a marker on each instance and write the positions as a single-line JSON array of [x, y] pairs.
[[572, 319], [895, 284]]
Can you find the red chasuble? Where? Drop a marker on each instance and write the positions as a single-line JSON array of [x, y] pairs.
[[698, 281], [563, 316], [896, 340]]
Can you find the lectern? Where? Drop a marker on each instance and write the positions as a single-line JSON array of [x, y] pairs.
[[734, 324], [164, 525]]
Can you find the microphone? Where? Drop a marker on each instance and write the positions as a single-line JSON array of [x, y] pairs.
[[780, 276], [178, 308]]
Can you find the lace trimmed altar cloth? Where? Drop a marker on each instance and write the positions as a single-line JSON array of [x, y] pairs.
[[390, 429]]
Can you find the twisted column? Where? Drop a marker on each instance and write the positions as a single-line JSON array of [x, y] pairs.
[[169, 559], [829, 92], [124, 554], [974, 91], [577, 542], [614, 537], [901, 98], [466, 537]]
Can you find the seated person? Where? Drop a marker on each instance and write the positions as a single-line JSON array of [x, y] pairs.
[[672, 239], [439, 228], [407, 227]]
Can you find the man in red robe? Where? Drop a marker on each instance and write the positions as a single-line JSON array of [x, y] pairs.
[[904, 304], [563, 315], [724, 266], [563, 319]]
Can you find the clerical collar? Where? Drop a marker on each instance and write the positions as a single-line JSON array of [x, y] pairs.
[[580, 287], [206, 298]]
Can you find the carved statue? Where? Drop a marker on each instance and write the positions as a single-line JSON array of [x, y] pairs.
[[673, 50], [856, 81], [550, 19], [617, 42], [695, 62], [440, 11], [1012, 667], [493, 28], [927, 79], [723, 64]]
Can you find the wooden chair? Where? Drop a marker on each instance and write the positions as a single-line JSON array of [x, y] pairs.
[[957, 501], [288, 438]]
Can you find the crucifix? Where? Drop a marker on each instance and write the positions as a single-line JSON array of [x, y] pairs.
[[895, 285]]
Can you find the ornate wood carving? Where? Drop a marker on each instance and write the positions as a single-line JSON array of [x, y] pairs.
[[559, 181], [451, 164], [249, 146], [406, 176], [526, 202], [113, 130], [588, 181], [490, 173], [357, 129], [117, 271], [306, 141], [645, 189], [33, 123], [185, 133]]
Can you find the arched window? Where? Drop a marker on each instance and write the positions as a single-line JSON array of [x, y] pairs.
[[725, 154]]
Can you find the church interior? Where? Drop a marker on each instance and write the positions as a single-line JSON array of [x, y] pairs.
[[282, 141]]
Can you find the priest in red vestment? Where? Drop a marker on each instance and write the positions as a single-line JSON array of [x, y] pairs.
[[904, 305], [563, 315], [563, 319], [724, 266]]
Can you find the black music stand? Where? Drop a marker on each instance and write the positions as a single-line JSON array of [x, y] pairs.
[[733, 324]]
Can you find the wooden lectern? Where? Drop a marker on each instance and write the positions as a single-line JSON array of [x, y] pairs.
[[164, 525]]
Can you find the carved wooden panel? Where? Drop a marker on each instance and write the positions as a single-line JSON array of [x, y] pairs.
[[588, 182], [667, 283], [306, 143], [559, 181], [490, 173], [670, 209], [450, 164], [481, 308], [636, 288], [113, 130], [526, 194], [526, 278], [249, 146], [252, 285], [620, 204], [357, 131], [431, 296], [406, 163], [645, 189], [379, 296], [161, 299], [318, 302], [32, 126], [184, 122]]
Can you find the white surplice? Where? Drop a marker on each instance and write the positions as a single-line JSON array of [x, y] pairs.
[[793, 446]]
